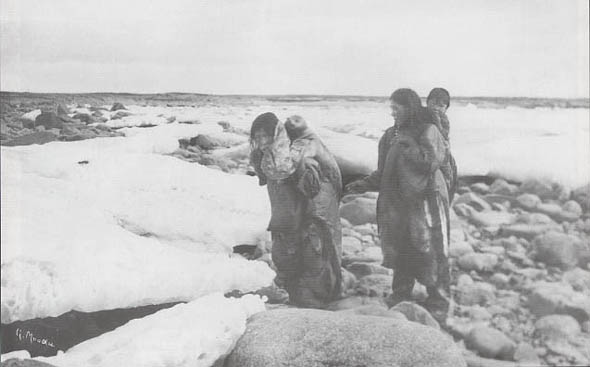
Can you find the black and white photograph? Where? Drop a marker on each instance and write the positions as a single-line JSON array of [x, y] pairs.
[[289, 183]]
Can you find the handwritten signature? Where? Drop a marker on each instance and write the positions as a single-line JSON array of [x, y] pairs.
[[29, 336]]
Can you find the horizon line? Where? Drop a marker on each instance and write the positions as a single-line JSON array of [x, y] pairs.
[[279, 95]]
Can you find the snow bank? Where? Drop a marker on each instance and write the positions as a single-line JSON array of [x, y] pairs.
[[127, 228], [194, 334], [18, 354], [520, 143], [31, 116], [355, 155], [515, 142]]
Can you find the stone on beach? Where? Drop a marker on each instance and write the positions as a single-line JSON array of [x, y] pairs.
[[359, 211], [545, 189], [557, 327], [478, 262], [474, 201], [501, 187], [313, 338], [557, 249], [490, 343], [118, 106], [416, 313], [374, 310]]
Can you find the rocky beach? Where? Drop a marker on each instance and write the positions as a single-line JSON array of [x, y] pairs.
[[520, 241]]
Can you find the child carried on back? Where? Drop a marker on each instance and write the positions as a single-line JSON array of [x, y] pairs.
[[438, 101]]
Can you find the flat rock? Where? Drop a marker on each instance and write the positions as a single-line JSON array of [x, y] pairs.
[[474, 201], [528, 231], [314, 338], [487, 218]]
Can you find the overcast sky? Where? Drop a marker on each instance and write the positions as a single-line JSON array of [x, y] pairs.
[[472, 47]]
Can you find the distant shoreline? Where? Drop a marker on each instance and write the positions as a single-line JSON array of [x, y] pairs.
[[183, 99]]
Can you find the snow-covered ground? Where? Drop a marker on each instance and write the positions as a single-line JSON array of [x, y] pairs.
[[131, 227], [514, 142], [195, 334]]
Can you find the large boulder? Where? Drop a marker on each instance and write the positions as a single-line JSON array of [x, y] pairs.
[[49, 120], [314, 338], [557, 249], [361, 210]]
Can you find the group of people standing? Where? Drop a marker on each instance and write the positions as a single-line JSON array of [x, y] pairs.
[[416, 180]]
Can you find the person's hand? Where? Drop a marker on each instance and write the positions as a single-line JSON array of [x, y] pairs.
[[356, 187]]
